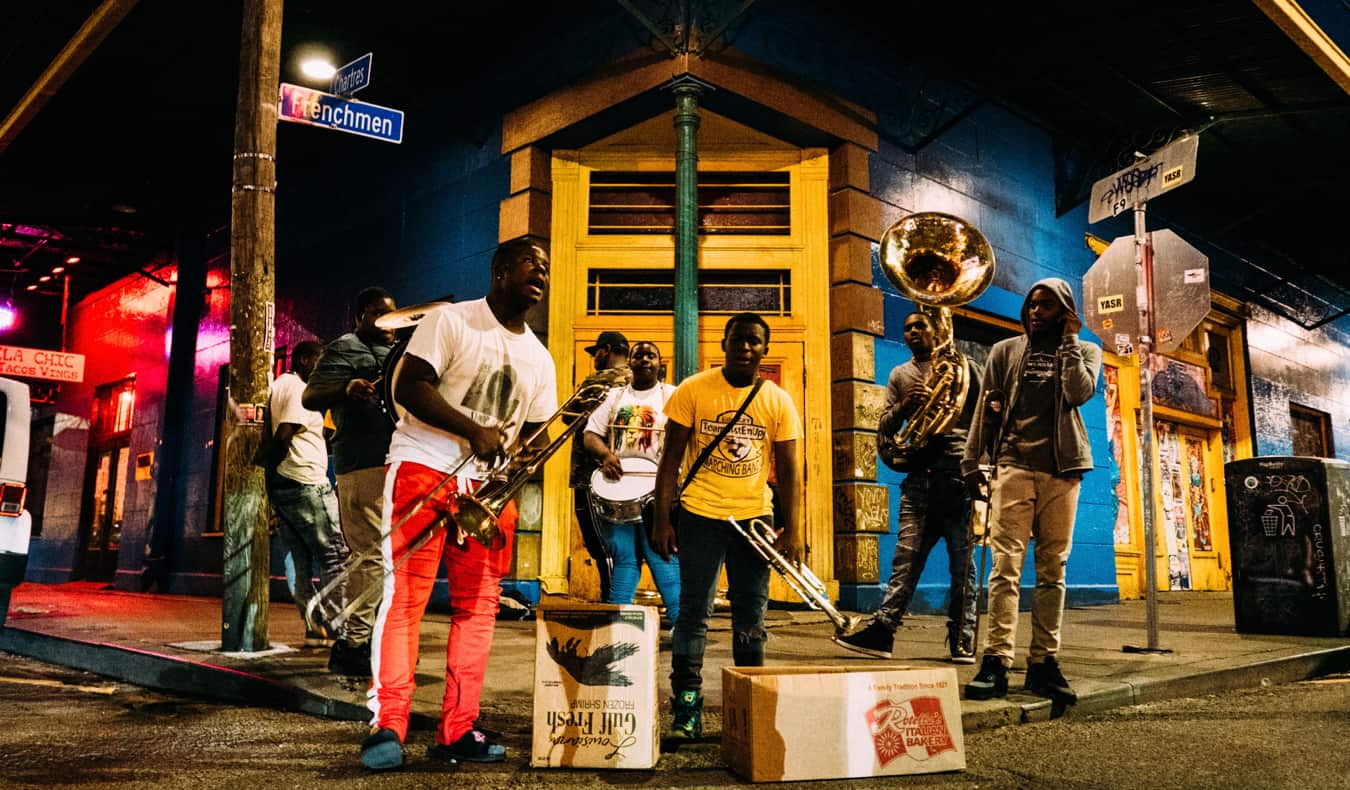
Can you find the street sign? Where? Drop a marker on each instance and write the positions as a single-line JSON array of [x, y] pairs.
[[316, 108], [1111, 300], [1180, 289], [1168, 168], [352, 77], [41, 363], [1180, 293]]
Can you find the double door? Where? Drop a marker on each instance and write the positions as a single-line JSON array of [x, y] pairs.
[[101, 530]]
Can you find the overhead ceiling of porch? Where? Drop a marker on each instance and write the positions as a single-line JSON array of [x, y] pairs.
[[135, 148], [1111, 78]]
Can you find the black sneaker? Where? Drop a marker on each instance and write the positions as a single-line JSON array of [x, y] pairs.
[[991, 681], [381, 750], [471, 747], [346, 659], [962, 647], [1045, 679], [875, 640]]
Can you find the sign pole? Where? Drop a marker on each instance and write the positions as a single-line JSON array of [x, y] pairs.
[[1178, 287], [247, 560], [1143, 257]]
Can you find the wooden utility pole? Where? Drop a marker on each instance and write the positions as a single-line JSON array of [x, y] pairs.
[[245, 600]]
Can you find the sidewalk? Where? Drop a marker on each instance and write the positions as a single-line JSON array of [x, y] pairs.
[[171, 643]]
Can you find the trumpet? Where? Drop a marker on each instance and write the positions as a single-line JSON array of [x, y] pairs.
[[476, 513], [800, 578]]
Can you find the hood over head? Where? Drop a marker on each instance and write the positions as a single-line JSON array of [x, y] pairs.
[[1061, 290]]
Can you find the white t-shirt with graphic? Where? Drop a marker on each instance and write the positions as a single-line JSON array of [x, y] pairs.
[[306, 460], [633, 422], [487, 372]]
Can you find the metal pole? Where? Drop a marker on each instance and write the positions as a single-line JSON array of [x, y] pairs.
[[247, 560], [65, 307], [1143, 258], [687, 92]]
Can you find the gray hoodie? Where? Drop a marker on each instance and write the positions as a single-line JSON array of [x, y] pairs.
[[1079, 362]]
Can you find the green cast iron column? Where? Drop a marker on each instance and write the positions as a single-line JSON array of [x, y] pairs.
[[687, 92]]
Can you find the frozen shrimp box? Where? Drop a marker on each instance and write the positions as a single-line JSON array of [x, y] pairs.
[[595, 703]]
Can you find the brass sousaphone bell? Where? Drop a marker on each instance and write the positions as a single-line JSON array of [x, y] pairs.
[[939, 261]]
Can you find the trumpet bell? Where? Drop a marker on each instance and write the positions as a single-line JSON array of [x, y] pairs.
[[937, 259]]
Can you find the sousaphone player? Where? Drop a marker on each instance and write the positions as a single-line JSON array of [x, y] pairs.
[[939, 261]]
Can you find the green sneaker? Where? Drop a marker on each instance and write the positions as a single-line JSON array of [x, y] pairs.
[[688, 709]]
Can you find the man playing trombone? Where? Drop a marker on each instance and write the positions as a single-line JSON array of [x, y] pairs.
[[735, 424], [473, 380]]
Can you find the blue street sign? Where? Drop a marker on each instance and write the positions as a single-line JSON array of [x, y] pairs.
[[352, 77], [316, 108]]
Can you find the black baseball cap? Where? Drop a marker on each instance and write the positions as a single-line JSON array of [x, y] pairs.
[[611, 339]]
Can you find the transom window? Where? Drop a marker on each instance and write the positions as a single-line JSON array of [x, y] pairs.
[[733, 204], [652, 291]]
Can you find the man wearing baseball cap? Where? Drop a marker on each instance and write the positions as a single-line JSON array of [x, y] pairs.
[[610, 350]]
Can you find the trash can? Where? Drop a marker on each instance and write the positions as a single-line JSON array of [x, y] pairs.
[[1289, 530]]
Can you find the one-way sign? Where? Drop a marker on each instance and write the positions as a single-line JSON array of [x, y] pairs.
[[1168, 168]]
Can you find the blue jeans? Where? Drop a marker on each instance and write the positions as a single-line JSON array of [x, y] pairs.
[[705, 543], [933, 506], [307, 521], [627, 546]]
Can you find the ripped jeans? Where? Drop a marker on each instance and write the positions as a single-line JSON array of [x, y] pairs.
[[705, 543]]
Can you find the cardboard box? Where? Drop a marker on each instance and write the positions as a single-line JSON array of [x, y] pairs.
[[834, 722], [595, 702]]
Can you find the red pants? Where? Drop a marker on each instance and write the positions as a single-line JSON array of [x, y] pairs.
[[474, 573]]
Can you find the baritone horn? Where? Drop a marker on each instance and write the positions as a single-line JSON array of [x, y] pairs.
[[800, 578], [939, 261]]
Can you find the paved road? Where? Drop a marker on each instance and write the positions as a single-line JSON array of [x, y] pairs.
[[62, 728]]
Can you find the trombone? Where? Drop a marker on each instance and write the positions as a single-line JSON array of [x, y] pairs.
[[476, 512], [800, 578]]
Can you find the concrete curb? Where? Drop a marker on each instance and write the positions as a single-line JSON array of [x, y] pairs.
[[180, 676], [1141, 690]]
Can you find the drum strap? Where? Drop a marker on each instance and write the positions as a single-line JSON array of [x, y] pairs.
[[707, 451]]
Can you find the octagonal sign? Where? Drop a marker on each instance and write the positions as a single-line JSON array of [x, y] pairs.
[[1111, 293]]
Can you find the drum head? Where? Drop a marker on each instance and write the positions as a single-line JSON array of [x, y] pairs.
[[639, 479], [387, 377]]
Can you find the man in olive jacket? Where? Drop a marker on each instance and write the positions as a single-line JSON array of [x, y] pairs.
[[1029, 424]]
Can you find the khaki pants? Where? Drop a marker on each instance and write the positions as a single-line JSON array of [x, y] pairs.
[[361, 505], [1024, 505]]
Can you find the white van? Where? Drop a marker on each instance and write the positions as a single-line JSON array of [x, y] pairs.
[[16, 525]]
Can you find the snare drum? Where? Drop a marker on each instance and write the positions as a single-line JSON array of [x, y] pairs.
[[390, 408], [620, 501]]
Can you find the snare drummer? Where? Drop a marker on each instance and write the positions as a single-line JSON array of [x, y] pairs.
[[631, 424]]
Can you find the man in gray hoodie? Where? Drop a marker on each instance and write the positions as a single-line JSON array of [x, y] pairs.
[[1029, 425]]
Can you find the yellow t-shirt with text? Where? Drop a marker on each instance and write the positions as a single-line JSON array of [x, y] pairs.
[[734, 480]]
